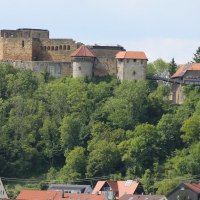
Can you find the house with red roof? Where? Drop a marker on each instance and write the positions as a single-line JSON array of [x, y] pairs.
[[55, 195], [190, 191], [186, 74], [116, 189], [142, 197]]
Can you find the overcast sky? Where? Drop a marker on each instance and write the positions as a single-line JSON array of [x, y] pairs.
[[161, 28]]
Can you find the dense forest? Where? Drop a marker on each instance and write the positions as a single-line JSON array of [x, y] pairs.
[[65, 129]]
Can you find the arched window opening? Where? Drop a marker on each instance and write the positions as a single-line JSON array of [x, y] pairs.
[[23, 43], [64, 47]]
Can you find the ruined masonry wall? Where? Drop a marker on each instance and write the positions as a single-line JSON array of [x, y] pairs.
[[17, 49], [57, 49], [105, 66], [55, 68], [1, 48]]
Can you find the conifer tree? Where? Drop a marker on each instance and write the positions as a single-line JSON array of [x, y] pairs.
[[172, 67], [196, 58]]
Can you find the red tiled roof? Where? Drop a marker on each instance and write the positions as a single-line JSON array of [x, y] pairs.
[[83, 197], [39, 195], [119, 187], [131, 55], [186, 67], [142, 197], [55, 195], [193, 186], [82, 51]]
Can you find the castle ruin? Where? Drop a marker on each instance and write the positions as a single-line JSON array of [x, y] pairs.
[[33, 49]]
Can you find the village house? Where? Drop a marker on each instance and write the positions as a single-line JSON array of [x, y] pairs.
[[116, 189], [71, 189], [189, 191], [186, 74], [142, 197], [3, 194], [55, 195]]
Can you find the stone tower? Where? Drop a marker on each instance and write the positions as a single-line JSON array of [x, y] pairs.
[[83, 62], [131, 65]]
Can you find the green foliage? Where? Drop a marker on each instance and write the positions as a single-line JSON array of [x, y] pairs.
[[172, 67], [159, 68], [68, 128], [196, 58], [75, 165], [103, 160]]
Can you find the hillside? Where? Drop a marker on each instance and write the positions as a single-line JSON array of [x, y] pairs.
[[67, 129]]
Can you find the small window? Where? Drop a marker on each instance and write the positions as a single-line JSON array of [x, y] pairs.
[[45, 48], [134, 60], [52, 48], [127, 60], [68, 47], [49, 48], [64, 47], [60, 47], [56, 48], [79, 68], [134, 73], [23, 43]]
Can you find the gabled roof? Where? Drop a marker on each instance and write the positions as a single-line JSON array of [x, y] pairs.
[[186, 67], [119, 187], [195, 187], [131, 55], [82, 51], [83, 197], [69, 187], [55, 195], [39, 194], [3, 193]]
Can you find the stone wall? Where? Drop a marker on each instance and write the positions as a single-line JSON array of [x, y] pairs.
[[17, 49], [105, 66], [55, 68], [105, 62], [1, 48], [24, 33], [57, 49], [177, 94], [131, 69]]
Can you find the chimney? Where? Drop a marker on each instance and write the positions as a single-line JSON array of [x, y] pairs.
[[63, 194]]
